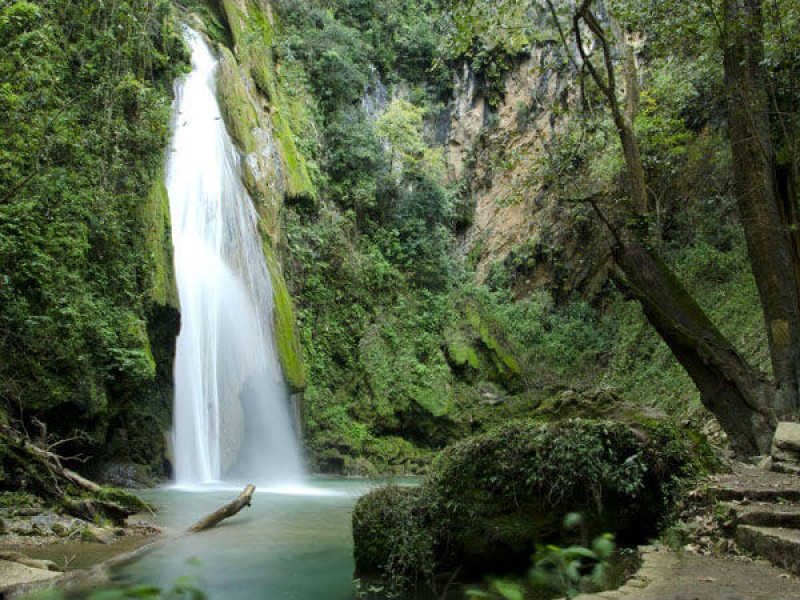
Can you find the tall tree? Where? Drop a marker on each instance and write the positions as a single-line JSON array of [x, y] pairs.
[[745, 404], [767, 217]]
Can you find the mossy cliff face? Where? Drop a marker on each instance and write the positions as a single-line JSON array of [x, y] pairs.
[[490, 499], [135, 446], [259, 115], [476, 353], [87, 298]]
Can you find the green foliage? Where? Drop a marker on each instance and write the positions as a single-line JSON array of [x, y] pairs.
[[490, 499], [16, 499], [334, 55], [562, 570], [371, 265], [418, 239], [352, 162], [555, 343], [84, 123], [559, 571]]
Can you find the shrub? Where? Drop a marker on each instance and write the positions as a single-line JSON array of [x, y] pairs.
[[490, 499]]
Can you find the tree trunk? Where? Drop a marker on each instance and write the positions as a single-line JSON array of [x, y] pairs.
[[743, 402], [226, 511], [729, 387], [764, 218]]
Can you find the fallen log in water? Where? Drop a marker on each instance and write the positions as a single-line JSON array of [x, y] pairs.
[[226, 511], [98, 575]]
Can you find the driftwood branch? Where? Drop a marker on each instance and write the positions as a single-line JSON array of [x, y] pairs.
[[48, 478], [99, 574], [226, 511]]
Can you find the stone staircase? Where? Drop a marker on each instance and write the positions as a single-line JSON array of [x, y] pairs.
[[762, 503], [753, 508], [762, 512]]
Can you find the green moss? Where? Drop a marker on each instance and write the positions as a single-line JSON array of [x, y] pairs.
[[386, 524], [289, 349], [253, 34], [237, 108], [504, 362], [501, 365], [491, 498], [130, 502], [460, 351], [158, 242]]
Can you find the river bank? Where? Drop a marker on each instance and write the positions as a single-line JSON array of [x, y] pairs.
[[47, 549]]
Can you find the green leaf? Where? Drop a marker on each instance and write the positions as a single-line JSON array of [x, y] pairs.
[[573, 520], [604, 546], [509, 590]]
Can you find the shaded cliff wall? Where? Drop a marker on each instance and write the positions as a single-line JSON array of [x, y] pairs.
[[87, 301]]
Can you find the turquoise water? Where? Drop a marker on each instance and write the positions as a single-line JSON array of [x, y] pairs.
[[293, 545]]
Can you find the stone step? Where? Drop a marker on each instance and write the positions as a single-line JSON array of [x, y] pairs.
[[765, 514], [752, 483], [779, 545]]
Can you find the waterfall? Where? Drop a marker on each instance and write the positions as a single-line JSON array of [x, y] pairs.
[[232, 418]]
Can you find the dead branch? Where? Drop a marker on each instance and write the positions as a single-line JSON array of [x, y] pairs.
[[51, 480], [226, 511]]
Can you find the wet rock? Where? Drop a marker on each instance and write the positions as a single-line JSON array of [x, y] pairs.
[[765, 462], [125, 475], [102, 535], [34, 563], [13, 574], [46, 524]]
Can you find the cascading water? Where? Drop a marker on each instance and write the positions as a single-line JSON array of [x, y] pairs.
[[232, 417]]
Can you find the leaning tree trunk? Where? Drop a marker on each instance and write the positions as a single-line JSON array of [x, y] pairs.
[[729, 387], [765, 218], [746, 405]]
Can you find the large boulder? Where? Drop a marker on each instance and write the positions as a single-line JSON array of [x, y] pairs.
[[490, 499], [786, 448]]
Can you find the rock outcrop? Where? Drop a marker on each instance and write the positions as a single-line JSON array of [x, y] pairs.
[[786, 448], [490, 499], [263, 118], [502, 152]]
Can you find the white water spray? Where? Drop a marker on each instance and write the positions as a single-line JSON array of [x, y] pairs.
[[232, 417]]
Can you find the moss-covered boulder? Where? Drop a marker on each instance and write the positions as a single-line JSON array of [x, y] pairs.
[[475, 352], [490, 499]]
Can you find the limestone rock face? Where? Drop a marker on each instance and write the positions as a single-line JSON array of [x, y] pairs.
[[501, 152]]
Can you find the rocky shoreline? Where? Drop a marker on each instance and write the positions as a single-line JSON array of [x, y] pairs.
[[41, 548]]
